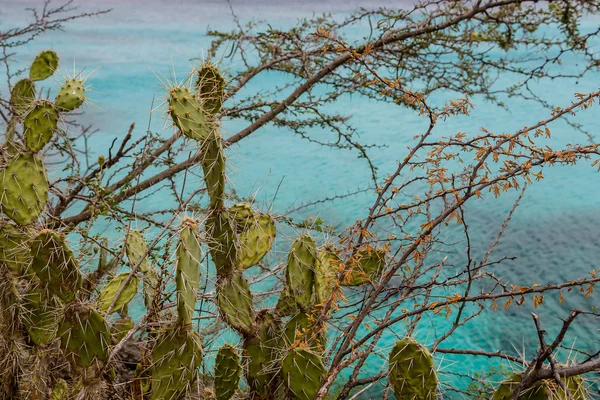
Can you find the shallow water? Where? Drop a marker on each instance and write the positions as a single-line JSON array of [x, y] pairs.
[[555, 233]]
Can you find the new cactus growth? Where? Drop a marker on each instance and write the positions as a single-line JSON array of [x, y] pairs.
[[55, 266], [176, 359], [302, 373], [23, 188], [38, 316], [227, 372], [109, 292], [210, 85], [412, 372], [39, 125], [43, 66], [188, 115], [21, 96], [188, 272], [234, 300], [84, 335], [71, 95], [300, 271]]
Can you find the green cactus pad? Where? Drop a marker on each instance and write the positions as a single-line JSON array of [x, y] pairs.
[[261, 356], [286, 304], [14, 249], [176, 359], [300, 271], [255, 241], [21, 96], [300, 328], [108, 293], [213, 165], [189, 256], [302, 373], [120, 328], [211, 88], [326, 270], [234, 300], [542, 390], [39, 125], [55, 266], [188, 115], [71, 95], [412, 372], [136, 249], [368, 267], [242, 214], [43, 66], [84, 335], [39, 316], [227, 372], [60, 391], [220, 233], [23, 188]]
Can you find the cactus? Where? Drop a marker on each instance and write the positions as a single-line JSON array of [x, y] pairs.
[[71, 95], [23, 188], [14, 249], [188, 115], [300, 329], [227, 372], [55, 265], [136, 249], [541, 390], [302, 373], [211, 86], [326, 269], [300, 271], [39, 125], [234, 299], [176, 359], [120, 328], [39, 317], [84, 335], [188, 272], [60, 391], [108, 293], [43, 66], [220, 232], [255, 241], [213, 165], [367, 266], [411, 371], [21, 96]]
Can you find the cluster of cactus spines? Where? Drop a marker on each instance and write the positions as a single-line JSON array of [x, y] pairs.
[[23, 188], [302, 373], [107, 295], [542, 390], [39, 125], [44, 65], [412, 372], [228, 371], [211, 88], [187, 278]]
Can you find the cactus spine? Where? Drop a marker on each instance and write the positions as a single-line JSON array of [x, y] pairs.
[[412, 372]]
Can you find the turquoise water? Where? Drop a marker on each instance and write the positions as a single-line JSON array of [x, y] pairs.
[[555, 233]]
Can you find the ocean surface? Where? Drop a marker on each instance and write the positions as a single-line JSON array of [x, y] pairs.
[[554, 234]]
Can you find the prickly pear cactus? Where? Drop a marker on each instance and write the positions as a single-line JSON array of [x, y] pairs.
[[366, 267], [84, 335], [213, 165], [302, 372], [71, 95], [21, 96], [135, 247], [300, 271], [255, 241], [211, 87], [55, 266], [542, 390], [14, 249], [220, 233], [412, 372], [43, 66], [23, 188], [189, 255], [39, 125], [109, 292], [38, 315], [227, 372], [188, 115], [120, 328], [300, 329], [234, 300], [175, 359], [326, 269]]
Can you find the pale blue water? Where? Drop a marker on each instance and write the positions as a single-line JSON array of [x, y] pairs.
[[555, 233]]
